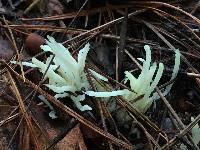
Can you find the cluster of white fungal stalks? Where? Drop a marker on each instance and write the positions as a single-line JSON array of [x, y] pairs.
[[67, 74]]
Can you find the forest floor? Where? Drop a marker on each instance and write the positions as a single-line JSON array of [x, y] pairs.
[[117, 32]]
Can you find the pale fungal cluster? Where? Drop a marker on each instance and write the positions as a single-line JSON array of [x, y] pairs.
[[66, 75], [145, 84]]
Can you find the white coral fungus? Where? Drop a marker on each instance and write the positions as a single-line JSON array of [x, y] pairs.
[[70, 75], [66, 74], [144, 85]]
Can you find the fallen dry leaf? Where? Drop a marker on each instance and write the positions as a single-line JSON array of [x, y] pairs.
[[51, 7], [55, 7], [73, 140], [6, 50]]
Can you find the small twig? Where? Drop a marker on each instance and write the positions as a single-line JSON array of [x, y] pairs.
[[78, 13], [15, 47], [31, 6], [156, 4], [74, 18], [8, 119], [193, 75], [21, 119], [120, 50]]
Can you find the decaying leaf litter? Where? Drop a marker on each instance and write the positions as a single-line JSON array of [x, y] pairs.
[[100, 89]]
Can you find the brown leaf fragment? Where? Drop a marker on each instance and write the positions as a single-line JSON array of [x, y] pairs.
[[6, 50], [73, 140], [55, 7], [51, 7]]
